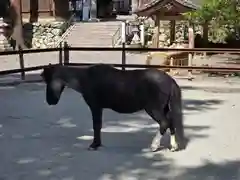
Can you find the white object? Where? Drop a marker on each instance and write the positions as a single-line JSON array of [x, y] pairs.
[[123, 32], [142, 34]]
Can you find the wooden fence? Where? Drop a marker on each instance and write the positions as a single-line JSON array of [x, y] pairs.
[[64, 51]]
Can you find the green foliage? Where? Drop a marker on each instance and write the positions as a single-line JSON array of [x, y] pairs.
[[222, 11], [222, 15]]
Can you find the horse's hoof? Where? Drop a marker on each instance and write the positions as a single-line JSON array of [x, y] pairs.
[[94, 147], [174, 148], [155, 148]]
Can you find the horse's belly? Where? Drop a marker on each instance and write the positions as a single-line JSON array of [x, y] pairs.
[[126, 106], [125, 110]]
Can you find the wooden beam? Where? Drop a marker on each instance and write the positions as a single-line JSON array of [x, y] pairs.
[[172, 31], [170, 18]]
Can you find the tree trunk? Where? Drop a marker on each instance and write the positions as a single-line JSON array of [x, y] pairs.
[[16, 16]]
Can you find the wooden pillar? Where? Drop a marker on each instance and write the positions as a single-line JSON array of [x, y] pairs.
[[205, 37], [34, 11], [158, 30], [191, 45], [61, 9], [172, 31], [205, 34]]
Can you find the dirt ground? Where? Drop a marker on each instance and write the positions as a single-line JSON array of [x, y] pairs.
[[42, 142]]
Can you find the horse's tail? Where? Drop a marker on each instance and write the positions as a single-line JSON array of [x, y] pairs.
[[176, 110]]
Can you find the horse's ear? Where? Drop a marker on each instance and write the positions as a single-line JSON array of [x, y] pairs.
[[42, 73], [49, 64]]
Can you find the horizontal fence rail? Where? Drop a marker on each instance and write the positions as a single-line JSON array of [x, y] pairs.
[[222, 69], [29, 51], [64, 50], [27, 69], [213, 50]]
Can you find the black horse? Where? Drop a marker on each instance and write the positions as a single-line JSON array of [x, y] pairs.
[[103, 86]]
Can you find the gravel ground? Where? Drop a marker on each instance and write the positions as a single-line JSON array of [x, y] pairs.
[[42, 142]]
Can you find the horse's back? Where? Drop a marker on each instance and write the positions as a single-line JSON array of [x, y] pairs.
[[127, 91], [129, 80]]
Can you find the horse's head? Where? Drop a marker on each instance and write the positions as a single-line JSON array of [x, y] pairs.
[[55, 85]]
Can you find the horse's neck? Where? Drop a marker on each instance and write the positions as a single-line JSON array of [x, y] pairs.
[[73, 78]]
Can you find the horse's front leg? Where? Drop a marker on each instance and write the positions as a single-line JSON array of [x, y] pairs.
[[97, 126]]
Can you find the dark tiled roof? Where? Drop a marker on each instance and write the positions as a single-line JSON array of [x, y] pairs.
[[191, 4], [198, 2], [188, 3]]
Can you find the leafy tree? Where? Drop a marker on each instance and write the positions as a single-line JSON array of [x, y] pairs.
[[223, 15]]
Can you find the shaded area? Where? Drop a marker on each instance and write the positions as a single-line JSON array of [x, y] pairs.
[[200, 105], [213, 89], [211, 171], [15, 79], [39, 142], [43, 142]]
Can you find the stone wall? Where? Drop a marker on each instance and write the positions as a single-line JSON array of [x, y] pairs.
[[44, 34]]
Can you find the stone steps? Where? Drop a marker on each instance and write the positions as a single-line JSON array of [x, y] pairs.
[[93, 34]]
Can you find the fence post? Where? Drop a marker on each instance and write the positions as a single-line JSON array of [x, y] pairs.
[[191, 45], [142, 38], [60, 54], [123, 44], [66, 53], [21, 62]]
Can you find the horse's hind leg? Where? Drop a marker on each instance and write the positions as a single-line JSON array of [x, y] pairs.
[[173, 142], [160, 118]]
